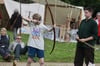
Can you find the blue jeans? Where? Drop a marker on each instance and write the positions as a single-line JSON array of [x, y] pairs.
[[4, 51], [19, 51]]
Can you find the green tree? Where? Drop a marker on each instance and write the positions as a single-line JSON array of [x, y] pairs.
[[95, 4]]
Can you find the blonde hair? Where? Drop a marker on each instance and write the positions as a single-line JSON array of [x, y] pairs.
[[36, 16], [18, 36], [4, 29]]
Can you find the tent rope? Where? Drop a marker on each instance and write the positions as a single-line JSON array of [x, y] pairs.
[[55, 11], [39, 7]]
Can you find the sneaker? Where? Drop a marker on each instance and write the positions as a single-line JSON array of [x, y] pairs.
[[10, 58], [97, 48]]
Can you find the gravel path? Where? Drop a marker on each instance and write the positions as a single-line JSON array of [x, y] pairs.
[[37, 64]]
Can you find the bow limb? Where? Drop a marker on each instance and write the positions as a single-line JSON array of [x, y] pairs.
[[53, 24]]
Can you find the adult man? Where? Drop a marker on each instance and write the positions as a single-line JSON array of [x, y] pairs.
[[88, 32], [16, 22], [18, 47]]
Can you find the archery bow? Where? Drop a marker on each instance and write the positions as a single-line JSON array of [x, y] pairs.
[[53, 28], [87, 44]]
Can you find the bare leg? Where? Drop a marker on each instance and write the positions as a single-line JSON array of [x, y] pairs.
[[29, 62], [97, 47], [41, 61]]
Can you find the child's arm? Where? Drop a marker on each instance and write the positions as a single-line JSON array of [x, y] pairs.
[[27, 19], [52, 28]]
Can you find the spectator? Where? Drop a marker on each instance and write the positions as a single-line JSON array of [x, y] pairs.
[[15, 22], [98, 22], [18, 47], [4, 44], [73, 32]]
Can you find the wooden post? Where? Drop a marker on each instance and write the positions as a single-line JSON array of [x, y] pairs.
[[62, 32], [80, 18], [45, 14], [20, 14]]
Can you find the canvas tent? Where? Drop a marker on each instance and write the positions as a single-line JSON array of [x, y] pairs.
[[25, 8], [4, 14], [1, 1], [60, 11]]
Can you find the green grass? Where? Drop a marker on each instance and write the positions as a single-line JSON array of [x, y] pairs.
[[64, 52]]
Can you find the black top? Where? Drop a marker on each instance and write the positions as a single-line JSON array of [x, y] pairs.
[[88, 28], [4, 41], [18, 21]]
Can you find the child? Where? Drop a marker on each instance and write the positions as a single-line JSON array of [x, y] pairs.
[[36, 41], [73, 32], [4, 44]]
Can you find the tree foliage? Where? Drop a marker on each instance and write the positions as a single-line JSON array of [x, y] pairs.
[[95, 4]]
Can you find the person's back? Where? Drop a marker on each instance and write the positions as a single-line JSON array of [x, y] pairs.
[[16, 16], [15, 22]]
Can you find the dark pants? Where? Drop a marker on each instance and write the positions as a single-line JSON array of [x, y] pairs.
[[20, 51], [4, 51], [84, 53], [15, 33]]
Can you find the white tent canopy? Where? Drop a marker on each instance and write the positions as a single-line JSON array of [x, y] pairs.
[[25, 8], [59, 9]]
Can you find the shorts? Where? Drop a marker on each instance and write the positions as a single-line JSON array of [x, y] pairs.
[[98, 40], [32, 52]]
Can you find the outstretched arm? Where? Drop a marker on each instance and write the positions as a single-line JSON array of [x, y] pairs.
[[26, 19], [52, 28]]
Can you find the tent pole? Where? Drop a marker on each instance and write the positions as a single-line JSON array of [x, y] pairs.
[[20, 6], [20, 14], [45, 14], [80, 18]]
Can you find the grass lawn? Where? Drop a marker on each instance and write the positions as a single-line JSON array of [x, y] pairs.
[[64, 52]]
